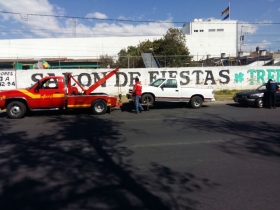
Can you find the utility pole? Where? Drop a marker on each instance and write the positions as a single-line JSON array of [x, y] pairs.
[[241, 40], [74, 23], [242, 36]]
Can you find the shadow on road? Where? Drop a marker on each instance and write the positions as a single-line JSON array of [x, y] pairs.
[[77, 163], [260, 138], [128, 107]]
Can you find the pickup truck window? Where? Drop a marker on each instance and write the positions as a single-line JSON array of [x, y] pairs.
[[157, 83], [171, 83]]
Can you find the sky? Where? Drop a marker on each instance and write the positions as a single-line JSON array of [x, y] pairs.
[[259, 19]]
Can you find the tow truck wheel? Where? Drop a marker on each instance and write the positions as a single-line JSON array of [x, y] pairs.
[[99, 107], [16, 110], [196, 102]]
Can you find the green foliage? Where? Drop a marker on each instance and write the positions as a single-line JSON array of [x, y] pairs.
[[171, 51], [106, 61]]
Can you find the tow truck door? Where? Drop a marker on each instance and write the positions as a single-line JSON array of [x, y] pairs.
[[52, 93]]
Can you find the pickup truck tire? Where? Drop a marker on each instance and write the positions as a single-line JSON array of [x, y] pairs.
[[99, 107], [16, 110], [147, 99], [196, 102], [259, 103]]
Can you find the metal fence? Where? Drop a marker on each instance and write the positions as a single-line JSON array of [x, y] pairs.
[[162, 61]]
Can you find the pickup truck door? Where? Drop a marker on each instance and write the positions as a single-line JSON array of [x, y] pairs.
[[52, 94], [169, 91]]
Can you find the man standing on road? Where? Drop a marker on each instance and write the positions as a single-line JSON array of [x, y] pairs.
[[271, 87], [137, 92]]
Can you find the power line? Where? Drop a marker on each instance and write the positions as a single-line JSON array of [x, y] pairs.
[[127, 20]]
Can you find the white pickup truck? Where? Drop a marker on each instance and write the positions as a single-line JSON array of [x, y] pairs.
[[170, 90]]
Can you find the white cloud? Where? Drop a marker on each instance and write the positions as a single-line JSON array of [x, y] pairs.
[[266, 22], [122, 18], [97, 15], [28, 20], [264, 44], [45, 24], [246, 28], [59, 10]]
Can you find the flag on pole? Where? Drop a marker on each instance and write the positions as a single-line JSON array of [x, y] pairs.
[[226, 11], [226, 17]]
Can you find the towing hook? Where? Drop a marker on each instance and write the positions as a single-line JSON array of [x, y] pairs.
[[120, 100]]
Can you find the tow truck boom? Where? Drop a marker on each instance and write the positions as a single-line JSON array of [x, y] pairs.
[[92, 87]]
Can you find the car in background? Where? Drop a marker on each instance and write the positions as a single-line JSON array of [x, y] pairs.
[[257, 97]]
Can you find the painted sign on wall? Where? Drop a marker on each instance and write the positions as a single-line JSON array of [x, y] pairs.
[[226, 77], [7, 79]]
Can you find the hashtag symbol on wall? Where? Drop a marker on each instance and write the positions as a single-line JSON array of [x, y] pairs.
[[239, 77]]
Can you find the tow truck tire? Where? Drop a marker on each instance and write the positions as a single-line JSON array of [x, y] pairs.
[[147, 99], [99, 107], [196, 102], [16, 110]]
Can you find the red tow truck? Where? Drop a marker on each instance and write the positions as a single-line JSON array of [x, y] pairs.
[[58, 92]]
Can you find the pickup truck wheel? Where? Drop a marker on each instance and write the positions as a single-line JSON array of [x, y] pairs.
[[196, 102], [16, 110], [259, 103], [99, 107], [147, 99]]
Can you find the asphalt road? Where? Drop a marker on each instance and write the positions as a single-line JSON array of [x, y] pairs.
[[221, 156]]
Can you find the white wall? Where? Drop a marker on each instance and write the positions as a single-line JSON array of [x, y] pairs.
[[212, 77], [201, 42], [73, 48]]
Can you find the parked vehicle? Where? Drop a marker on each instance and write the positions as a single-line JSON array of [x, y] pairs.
[[170, 90], [57, 92], [257, 97]]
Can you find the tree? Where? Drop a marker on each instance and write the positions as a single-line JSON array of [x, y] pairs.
[[130, 58], [171, 51], [106, 61]]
